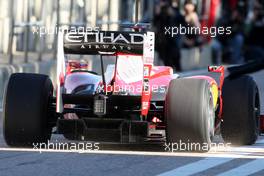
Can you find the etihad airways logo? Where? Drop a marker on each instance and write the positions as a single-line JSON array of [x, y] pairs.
[[105, 37], [105, 41]]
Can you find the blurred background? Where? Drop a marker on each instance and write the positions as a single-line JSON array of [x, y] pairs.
[[22, 49]]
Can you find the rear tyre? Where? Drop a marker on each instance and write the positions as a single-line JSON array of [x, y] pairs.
[[190, 114], [26, 114], [241, 111]]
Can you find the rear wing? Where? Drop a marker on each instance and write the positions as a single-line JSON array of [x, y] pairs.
[[92, 43]]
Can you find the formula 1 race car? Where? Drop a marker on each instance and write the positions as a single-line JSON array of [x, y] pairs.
[[130, 101]]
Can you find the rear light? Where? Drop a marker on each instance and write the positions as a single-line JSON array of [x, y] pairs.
[[99, 105]]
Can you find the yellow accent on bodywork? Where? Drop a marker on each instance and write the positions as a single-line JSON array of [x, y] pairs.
[[214, 91]]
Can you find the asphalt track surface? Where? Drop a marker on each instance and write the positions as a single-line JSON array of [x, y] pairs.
[[138, 160]]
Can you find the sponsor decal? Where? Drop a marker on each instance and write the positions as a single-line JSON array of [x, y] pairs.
[[105, 40]]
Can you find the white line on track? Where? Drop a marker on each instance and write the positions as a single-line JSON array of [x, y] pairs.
[[246, 169], [222, 154], [196, 167]]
